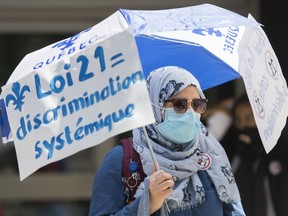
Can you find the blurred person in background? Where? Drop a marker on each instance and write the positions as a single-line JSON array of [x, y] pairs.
[[262, 178]]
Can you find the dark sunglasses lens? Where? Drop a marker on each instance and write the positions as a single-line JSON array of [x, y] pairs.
[[180, 105], [199, 105]]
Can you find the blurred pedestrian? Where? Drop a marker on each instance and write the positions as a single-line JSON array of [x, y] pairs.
[[260, 176]]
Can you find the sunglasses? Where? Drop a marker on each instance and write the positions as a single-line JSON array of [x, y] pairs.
[[181, 105]]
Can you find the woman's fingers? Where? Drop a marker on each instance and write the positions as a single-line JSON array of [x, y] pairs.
[[161, 180], [166, 185], [160, 187]]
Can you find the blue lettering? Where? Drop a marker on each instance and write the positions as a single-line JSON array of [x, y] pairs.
[[137, 76], [78, 135], [57, 84], [71, 50], [230, 39], [129, 111], [69, 79], [37, 121], [38, 150], [126, 83], [111, 85], [46, 119], [99, 53], [38, 65], [60, 142], [65, 109], [82, 46], [78, 132], [57, 88], [68, 135], [105, 93], [49, 147], [93, 39], [21, 131], [117, 119], [49, 61], [60, 55], [83, 75], [39, 90], [108, 122]]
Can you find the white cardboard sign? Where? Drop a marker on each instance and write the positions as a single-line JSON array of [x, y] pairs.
[[75, 94], [266, 87]]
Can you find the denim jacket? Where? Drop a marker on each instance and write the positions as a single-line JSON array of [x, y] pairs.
[[108, 196]]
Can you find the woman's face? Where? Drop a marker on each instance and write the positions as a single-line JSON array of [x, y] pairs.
[[244, 116]]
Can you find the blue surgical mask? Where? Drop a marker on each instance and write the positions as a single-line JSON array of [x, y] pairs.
[[179, 128]]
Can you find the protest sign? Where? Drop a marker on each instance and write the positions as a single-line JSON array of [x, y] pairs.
[[266, 87], [75, 94]]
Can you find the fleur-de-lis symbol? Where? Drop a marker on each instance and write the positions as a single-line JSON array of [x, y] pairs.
[[18, 97], [70, 41], [209, 31]]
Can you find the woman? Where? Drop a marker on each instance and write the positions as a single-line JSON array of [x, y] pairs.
[[194, 178]]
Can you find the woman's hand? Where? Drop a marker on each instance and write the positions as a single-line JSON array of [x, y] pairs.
[[160, 188]]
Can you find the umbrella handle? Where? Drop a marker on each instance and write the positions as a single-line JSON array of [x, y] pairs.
[[151, 149], [153, 158]]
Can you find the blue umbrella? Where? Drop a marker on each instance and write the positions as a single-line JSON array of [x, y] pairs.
[[216, 45], [160, 40]]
